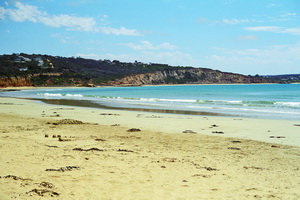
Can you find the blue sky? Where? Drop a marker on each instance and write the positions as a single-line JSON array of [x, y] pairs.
[[241, 36]]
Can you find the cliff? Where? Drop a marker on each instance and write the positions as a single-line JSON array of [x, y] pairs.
[[15, 81], [188, 76]]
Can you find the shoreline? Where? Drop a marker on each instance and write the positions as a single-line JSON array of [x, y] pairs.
[[50, 87], [247, 109], [275, 131], [90, 104]]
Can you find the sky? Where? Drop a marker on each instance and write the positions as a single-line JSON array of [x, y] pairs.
[[240, 36]]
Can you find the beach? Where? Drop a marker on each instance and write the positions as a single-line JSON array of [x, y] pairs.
[[67, 152]]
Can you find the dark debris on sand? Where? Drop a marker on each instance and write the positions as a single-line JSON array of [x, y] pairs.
[[16, 178], [134, 130], [90, 149], [66, 121], [63, 169], [42, 192]]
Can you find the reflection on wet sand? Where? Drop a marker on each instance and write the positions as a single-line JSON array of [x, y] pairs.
[[86, 103]]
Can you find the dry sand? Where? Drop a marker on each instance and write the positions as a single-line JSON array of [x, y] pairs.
[[44, 156]]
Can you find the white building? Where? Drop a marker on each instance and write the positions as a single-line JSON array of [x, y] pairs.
[[23, 69], [39, 61], [22, 59]]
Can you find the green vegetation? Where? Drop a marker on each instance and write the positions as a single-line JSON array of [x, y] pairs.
[[56, 70], [45, 70], [286, 78]]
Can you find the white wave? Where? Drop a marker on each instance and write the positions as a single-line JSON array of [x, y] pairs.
[[180, 100], [74, 95], [288, 104], [253, 110], [177, 100], [234, 102], [225, 101], [50, 90], [51, 94], [156, 100], [148, 99]]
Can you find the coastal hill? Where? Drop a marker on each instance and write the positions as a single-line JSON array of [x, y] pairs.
[[45, 70], [285, 78]]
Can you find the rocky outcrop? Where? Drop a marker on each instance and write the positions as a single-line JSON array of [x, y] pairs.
[[22, 81], [15, 81], [188, 76]]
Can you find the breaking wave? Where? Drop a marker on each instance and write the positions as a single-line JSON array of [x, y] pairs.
[[234, 103]]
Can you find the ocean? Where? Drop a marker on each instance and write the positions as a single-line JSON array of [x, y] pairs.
[[267, 101]]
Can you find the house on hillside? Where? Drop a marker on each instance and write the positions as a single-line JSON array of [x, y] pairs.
[[39, 61], [49, 64], [138, 63], [23, 69], [22, 59]]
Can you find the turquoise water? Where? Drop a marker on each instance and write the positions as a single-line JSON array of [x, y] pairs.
[[276, 101]]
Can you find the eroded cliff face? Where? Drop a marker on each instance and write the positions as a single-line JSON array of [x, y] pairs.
[[15, 81], [178, 76], [188, 76]]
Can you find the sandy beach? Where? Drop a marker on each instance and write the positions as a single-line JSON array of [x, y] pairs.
[[66, 152]]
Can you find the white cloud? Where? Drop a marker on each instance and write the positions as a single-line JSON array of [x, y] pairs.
[[120, 57], [225, 21], [278, 59], [270, 52], [172, 58], [293, 31], [263, 28], [247, 37], [2, 13], [24, 12], [72, 22], [120, 31], [273, 5], [275, 29], [104, 20], [236, 21], [145, 45], [148, 52], [288, 14]]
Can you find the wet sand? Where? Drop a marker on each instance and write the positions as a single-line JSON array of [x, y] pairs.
[[114, 154]]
